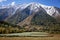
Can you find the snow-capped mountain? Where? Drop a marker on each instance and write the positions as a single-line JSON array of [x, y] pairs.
[[51, 10], [18, 14]]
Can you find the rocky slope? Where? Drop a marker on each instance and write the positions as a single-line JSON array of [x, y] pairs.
[[24, 14]]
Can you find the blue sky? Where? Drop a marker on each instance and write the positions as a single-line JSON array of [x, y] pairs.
[[45, 2]]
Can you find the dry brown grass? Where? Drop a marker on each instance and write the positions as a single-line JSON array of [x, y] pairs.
[[56, 37]]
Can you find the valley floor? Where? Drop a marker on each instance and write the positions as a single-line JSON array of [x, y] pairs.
[[55, 37], [30, 36]]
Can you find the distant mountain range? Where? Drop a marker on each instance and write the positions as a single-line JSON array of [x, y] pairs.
[[30, 14]]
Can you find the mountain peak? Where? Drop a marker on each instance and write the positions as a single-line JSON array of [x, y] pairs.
[[31, 8], [35, 4]]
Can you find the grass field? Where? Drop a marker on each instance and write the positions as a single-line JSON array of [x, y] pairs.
[[28, 36], [31, 38]]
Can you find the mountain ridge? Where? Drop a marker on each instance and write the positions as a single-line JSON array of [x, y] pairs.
[[22, 12]]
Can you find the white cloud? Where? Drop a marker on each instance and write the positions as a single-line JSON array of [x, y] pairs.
[[2, 0], [13, 3]]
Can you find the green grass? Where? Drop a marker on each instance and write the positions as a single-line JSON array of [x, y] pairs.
[[27, 34]]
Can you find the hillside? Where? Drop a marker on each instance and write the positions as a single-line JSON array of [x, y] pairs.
[[6, 28], [32, 17]]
